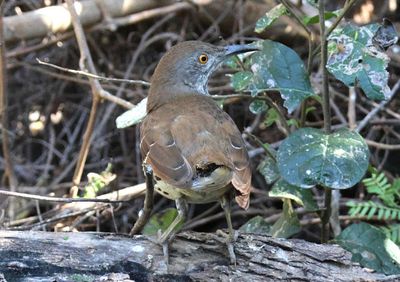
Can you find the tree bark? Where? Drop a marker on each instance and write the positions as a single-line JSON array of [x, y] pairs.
[[45, 256]]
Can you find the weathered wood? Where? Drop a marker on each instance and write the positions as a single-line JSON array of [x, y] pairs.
[[40, 22], [45, 256]]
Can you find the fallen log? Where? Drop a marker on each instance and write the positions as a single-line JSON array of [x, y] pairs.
[[45, 256]]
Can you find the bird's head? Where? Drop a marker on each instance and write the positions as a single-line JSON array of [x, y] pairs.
[[187, 66]]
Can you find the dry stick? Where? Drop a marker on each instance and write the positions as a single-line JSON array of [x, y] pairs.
[[61, 76], [375, 111], [9, 172], [86, 62], [145, 213], [344, 11], [327, 116], [54, 199], [103, 93], [303, 110], [351, 109], [306, 29], [99, 77], [383, 146]]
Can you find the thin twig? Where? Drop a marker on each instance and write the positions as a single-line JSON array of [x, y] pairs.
[[377, 109], [99, 77], [54, 199], [344, 11], [270, 102], [327, 116], [351, 108], [307, 30], [383, 146], [86, 62], [8, 165]]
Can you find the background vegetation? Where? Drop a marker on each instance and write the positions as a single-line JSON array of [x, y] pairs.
[[47, 111]]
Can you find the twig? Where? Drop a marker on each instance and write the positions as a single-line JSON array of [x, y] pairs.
[[86, 62], [267, 150], [80, 72], [383, 146], [9, 171], [351, 109], [131, 19], [145, 213], [307, 30], [270, 102], [375, 111], [345, 9], [54, 199]]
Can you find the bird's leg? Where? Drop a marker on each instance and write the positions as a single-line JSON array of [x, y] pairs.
[[231, 237], [145, 213], [170, 232]]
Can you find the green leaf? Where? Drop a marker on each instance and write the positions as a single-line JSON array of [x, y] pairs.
[[371, 248], [313, 3], [293, 122], [310, 109], [270, 17], [132, 116], [307, 20], [269, 169], [303, 197], [309, 157], [231, 62], [256, 225], [258, 106], [354, 59], [241, 80], [278, 67], [271, 117], [288, 224], [161, 221], [97, 182]]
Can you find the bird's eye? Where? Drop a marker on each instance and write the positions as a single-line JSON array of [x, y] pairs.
[[203, 59]]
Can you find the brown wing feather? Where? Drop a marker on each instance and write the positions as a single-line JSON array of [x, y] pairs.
[[159, 149]]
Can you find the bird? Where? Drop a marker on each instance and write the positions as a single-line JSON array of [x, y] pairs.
[[192, 147]]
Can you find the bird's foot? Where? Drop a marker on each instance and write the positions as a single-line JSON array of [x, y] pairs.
[[230, 239], [164, 243]]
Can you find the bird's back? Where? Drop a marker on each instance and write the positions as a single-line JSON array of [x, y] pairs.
[[191, 138]]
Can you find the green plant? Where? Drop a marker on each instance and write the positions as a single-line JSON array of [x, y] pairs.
[[386, 210]]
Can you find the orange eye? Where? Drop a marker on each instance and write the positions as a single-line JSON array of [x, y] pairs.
[[203, 59]]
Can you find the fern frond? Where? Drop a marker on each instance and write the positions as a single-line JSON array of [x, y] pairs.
[[393, 232], [379, 184], [370, 209]]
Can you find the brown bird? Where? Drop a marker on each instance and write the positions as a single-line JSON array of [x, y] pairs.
[[193, 148]]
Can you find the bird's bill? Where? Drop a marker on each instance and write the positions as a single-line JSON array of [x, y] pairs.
[[238, 49]]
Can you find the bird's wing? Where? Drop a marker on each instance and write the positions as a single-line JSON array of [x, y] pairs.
[[214, 138], [159, 149]]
